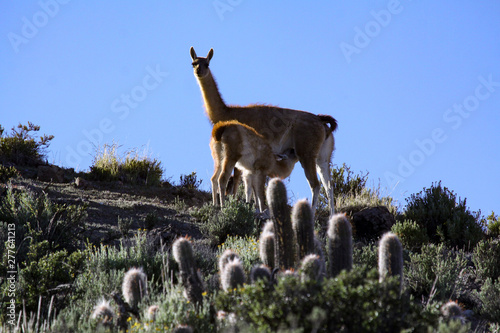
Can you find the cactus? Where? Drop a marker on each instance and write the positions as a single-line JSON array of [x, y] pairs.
[[183, 329], [152, 312], [339, 244], [312, 268], [134, 287], [303, 225], [191, 280], [451, 310], [284, 242], [226, 257], [266, 248], [260, 272], [268, 227], [233, 275], [390, 257], [104, 312]]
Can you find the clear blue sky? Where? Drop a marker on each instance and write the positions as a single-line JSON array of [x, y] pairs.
[[414, 85]]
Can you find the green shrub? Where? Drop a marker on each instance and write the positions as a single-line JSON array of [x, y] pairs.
[[411, 235], [436, 273], [493, 225], [352, 302], [436, 209], [108, 165], [22, 147], [190, 181], [37, 218], [365, 256], [235, 218], [7, 173], [486, 259], [489, 297]]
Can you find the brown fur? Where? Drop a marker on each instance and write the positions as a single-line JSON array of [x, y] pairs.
[[307, 134], [234, 144]]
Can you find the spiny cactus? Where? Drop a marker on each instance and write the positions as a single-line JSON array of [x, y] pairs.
[[260, 272], [152, 312], [266, 248], [390, 257], [303, 225], [134, 287], [191, 280], [183, 329], [233, 275], [104, 312], [339, 244], [284, 236], [312, 268], [451, 310], [268, 227], [226, 257]]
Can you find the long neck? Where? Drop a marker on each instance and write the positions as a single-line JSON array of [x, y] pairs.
[[214, 104]]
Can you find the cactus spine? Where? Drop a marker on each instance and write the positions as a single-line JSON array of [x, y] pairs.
[[390, 257], [339, 244], [134, 287], [183, 254], [303, 224], [233, 275], [284, 242]]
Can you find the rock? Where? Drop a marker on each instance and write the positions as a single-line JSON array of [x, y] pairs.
[[50, 173], [373, 222]]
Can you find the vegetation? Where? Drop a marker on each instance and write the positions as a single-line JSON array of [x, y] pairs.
[[68, 281]]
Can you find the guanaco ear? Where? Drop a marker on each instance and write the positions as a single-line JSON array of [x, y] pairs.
[[210, 54], [193, 54]]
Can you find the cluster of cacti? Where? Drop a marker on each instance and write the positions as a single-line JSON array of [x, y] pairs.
[[134, 289], [339, 244], [191, 280], [390, 257], [232, 274]]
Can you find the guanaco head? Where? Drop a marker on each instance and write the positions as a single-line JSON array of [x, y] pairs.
[[200, 65]]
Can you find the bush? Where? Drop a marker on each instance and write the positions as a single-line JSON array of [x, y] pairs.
[[493, 225], [235, 218], [436, 273], [486, 259], [190, 181], [489, 297], [247, 248], [133, 169], [22, 147], [7, 173], [411, 235], [351, 302], [436, 209], [37, 219]]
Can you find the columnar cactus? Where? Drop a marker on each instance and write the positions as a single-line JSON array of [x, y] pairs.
[[226, 257], [284, 236], [339, 244], [183, 329], [260, 272], [183, 254], [233, 275], [303, 225], [104, 312], [266, 248], [390, 257], [134, 287], [152, 312], [312, 268], [451, 310]]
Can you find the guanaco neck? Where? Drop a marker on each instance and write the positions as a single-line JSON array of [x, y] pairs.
[[214, 104]]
